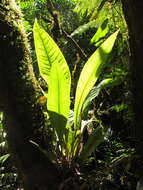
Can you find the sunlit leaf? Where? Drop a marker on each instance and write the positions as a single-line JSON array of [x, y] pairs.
[[59, 97], [89, 75], [42, 45], [101, 33], [54, 69]]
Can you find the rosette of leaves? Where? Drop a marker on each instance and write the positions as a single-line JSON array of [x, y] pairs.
[[66, 124]]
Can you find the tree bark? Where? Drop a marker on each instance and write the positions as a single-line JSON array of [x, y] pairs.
[[133, 11], [18, 100]]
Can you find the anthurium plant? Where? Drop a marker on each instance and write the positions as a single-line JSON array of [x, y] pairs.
[[67, 124]]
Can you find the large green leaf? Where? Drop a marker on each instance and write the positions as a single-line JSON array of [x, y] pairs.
[[44, 51], [90, 74], [100, 33], [59, 97], [54, 69], [59, 89]]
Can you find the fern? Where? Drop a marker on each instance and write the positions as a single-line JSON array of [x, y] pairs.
[[86, 6], [81, 29]]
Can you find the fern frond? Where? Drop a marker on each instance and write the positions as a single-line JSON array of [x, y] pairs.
[[86, 6], [81, 29]]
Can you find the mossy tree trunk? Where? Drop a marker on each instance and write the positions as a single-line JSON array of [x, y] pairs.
[[18, 100], [133, 11]]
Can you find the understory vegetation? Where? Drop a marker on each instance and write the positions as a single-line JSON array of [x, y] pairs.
[[80, 57]]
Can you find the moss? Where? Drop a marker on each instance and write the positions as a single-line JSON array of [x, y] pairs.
[[18, 99], [16, 65]]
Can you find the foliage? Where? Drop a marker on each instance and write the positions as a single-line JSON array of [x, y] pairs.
[[54, 70], [88, 23], [81, 29], [100, 33], [87, 7]]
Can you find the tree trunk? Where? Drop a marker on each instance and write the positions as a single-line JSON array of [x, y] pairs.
[[18, 100], [133, 11]]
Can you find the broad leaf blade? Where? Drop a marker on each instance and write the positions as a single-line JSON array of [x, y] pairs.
[[59, 97], [59, 89], [90, 74], [43, 51], [54, 69], [101, 33]]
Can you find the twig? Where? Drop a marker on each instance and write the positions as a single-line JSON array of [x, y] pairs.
[[81, 52]]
